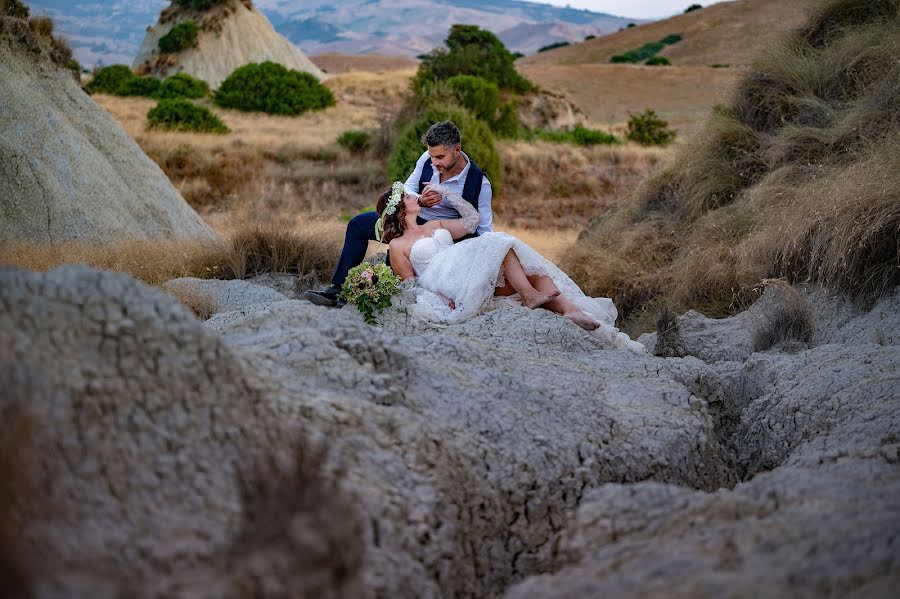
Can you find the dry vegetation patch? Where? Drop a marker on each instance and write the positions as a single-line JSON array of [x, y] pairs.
[[797, 177], [562, 186]]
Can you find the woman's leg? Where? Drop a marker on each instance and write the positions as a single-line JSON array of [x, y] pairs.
[[515, 276], [561, 304]]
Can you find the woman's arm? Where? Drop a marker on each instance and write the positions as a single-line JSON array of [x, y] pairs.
[[400, 261], [468, 217]]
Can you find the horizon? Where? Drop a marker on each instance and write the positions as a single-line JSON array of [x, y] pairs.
[[644, 9]]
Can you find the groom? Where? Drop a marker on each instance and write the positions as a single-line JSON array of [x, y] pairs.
[[444, 162]]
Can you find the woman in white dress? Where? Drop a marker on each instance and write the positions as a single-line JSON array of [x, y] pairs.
[[460, 280]]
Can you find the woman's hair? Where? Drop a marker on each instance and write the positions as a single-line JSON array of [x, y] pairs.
[[394, 224]]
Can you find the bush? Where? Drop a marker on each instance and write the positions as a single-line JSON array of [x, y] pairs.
[[673, 38], [657, 61], [480, 96], [14, 8], [553, 46], [472, 51], [692, 8], [181, 85], [138, 86], [590, 37], [109, 79], [477, 143], [182, 115], [648, 129], [271, 88], [580, 136], [199, 4], [355, 141], [507, 124], [181, 36]]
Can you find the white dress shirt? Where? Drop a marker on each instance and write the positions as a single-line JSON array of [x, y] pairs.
[[444, 210]]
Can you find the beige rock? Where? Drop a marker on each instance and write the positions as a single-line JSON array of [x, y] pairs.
[[230, 37], [67, 170]]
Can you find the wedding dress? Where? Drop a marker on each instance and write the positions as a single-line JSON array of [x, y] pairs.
[[468, 272]]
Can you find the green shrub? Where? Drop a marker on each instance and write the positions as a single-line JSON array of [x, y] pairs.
[[627, 57], [182, 85], [580, 136], [553, 46], [14, 8], [199, 4], [477, 143], [181, 36], [648, 129], [472, 51], [271, 88], [590, 37], [108, 79], [720, 65], [657, 61], [692, 8], [181, 115], [480, 96], [641, 54], [507, 125], [355, 141], [138, 86], [673, 38]]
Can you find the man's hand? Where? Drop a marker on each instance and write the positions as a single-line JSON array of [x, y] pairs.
[[429, 198]]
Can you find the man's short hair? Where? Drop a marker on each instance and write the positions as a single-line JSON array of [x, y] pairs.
[[445, 133]]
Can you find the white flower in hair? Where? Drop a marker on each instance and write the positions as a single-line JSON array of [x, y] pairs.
[[396, 197]]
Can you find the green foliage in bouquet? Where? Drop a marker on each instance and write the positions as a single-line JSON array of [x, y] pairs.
[[370, 287]]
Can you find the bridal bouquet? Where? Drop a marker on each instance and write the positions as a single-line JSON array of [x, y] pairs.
[[370, 287]]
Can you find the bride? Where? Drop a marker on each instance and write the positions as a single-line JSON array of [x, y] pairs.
[[460, 280]]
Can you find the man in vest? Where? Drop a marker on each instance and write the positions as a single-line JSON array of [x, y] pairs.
[[444, 162]]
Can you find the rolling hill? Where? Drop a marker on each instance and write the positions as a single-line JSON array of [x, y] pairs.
[[726, 33]]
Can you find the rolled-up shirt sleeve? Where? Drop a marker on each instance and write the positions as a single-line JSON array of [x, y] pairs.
[[486, 224], [412, 183]]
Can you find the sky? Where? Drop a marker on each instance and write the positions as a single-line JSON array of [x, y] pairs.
[[639, 9]]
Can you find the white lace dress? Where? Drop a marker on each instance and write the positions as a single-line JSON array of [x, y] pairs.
[[468, 272]]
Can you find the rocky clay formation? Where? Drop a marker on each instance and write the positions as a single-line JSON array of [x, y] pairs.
[[283, 449], [548, 110], [67, 170], [231, 35]]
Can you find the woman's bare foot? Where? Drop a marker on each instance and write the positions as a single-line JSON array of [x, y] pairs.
[[538, 298], [583, 320]]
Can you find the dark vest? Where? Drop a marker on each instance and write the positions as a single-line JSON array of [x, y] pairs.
[[471, 188]]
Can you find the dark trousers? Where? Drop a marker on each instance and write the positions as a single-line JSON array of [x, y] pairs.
[[360, 230]]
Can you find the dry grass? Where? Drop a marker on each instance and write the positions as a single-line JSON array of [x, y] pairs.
[[202, 304], [561, 186], [249, 248], [335, 62], [607, 93], [789, 322], [798, 177], [726, 33]]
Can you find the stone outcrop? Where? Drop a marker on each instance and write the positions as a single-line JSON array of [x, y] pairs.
[[231, 35], [67, 170], [294, 450], [550, 111]]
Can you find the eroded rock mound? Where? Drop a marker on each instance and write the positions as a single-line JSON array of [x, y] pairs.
[[816, 436], [231, 34], [460, 457], [67, 170]]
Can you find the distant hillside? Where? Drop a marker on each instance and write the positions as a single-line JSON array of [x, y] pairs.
[[110, 31], [725, 33]]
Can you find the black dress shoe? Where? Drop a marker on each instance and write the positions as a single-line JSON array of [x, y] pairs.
[[326, 297]]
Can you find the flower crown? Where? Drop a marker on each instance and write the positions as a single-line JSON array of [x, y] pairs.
[[390, 208]]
